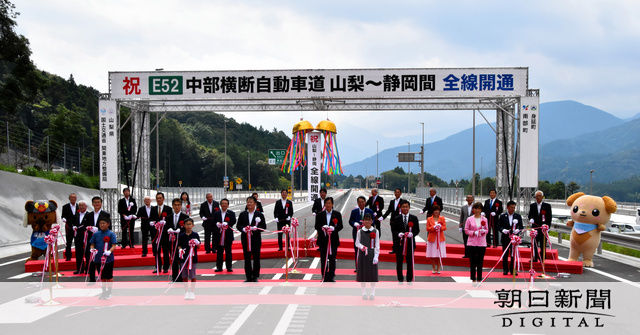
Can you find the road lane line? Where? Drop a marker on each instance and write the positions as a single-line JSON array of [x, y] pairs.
[[242, 318], [285, 320]]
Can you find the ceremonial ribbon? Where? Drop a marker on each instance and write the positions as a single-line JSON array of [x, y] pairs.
[[193, 244], [515, 242], [545, 231], [294, 231], [287, 231], [103, 259], [94, 252], [247, 230], [223, 230], [173, 237], [438, 245], [327, 232], [533, 233]]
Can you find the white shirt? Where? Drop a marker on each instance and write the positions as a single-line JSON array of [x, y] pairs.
[[126, 200], [176, 217], [148, 208], [210, 206], [539, 207], [322, 203], [223, 214], [395, 202], [73, 208], [433, 199], [82, 216], [510, 219], [377, 243], [251, 216], [470, 209], [328, 217], [96, 215]]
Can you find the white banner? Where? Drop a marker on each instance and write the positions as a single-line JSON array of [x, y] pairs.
[[355, 83], [108, 143], [529, 129], [314, 163]]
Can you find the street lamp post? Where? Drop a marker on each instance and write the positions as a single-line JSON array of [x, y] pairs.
[[409, 172], [225, 150], [249, 169], [480, 177], [377, 154], [591, 182], [422, 158]]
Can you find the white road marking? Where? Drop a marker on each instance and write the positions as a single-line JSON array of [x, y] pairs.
[[22, 275], [600, 272], [481, 294], [242, 318], [461, 279], [285, 320], [265, 290], [314, 265], [18, 311], [300, 290], [12, 262]]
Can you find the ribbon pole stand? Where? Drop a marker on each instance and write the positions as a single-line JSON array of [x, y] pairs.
[[57, 285], [51, 302], [306, 243], [286, 259]]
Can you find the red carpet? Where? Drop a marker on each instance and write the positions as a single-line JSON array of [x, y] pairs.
[[132, 257]]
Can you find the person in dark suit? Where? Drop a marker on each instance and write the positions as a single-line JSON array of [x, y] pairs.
[[127, 208], [510, 223], [407, 228], [69, 218], [318, 204], [92, 219], [144, 214], [431, 201], [355, 221], [328, 221], [376, 204], [81, 265], [492, 210], [159, 213], [539, 214], [258, 203], [249, 223], [207, 209], [394, 209], [224, 217], [283, 211], [175, 221], [465, 212]]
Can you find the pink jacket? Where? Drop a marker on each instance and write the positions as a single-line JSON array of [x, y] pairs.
[[470, 229]]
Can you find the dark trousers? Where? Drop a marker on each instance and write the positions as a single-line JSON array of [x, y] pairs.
[[251, 266], [376, 224], [67, 249], [507, 259], [330, 273], [465, 237], [81, 265], [226, 249], [163, 260], [147, 232], [208, 233], [175, 267], [409, 259], [127, 232], [281, 224], [492, 234], [476, 260], [93, 267], [537, 250]]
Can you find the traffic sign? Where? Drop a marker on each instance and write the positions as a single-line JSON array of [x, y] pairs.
[[238, 181], [225, 178], [378, 181], [226, 183], [180, 182], [328, 184], [238, 186], [276, 156], [230, 186]]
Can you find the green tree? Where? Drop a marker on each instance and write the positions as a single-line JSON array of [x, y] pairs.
[[20, 80], [572, 188]]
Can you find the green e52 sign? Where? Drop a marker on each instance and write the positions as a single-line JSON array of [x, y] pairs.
[[163, 85]]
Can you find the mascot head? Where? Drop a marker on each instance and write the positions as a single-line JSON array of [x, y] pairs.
[[40, 214], [591, 209]]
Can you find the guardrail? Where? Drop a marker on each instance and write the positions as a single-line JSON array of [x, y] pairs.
[[622, 240]]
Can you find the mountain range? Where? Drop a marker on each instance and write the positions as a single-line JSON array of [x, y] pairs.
[[574, 139]]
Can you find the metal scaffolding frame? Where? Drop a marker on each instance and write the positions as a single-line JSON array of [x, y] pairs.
[[504, 104]]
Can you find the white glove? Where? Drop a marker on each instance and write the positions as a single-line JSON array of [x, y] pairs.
[[64, 220], [332, 228], [254, 228], [409, 234], [181, 255], [224, 224], [75, 229], [363, 248], [493, 213], [357, 225], [314, 214], [505, 231], [421, 212], [476, 233], [152, 223], [326, 226], [483, 214], [375, 214], [258, 220], [274, 220], [203, 218], [517, 231], [515, 221], [531, 221], [93, 229], [438, 225], [375, 260], [107, 253], [460, 230], [218, 224], [288, 218], [197, 242], [401, 235], [93, 250]]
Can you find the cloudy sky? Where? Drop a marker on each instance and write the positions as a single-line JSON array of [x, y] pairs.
[[575, 50]]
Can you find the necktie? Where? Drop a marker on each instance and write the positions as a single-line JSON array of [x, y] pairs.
[[405, 222], [160, 211], [491, 203], [361, 214], [175, 221]]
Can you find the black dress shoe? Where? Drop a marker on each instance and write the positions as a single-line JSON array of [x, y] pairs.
[[279, 249], [76, 272], [255, 280], [229, 270], [248, 280], [504, 273], [144, 255], [208, 251], [155, 271], [67, 259], [392, 252], [165, 271], [218, 270]]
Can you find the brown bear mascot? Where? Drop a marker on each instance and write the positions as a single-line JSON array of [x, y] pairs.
[[40, 215]]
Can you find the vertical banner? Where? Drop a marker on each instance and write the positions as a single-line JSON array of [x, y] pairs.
[[108, 143], [529, 129], [314, 164]]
